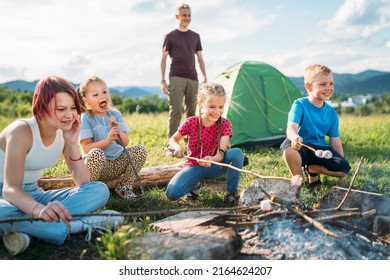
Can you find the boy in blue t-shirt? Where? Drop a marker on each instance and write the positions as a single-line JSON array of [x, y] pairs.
[[311, 119]]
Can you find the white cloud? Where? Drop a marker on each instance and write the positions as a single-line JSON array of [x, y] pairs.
[[233, 22], [122, 42], [358, 19], [8, 72]]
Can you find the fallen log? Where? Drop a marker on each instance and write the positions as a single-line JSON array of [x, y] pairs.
[[150, 176]]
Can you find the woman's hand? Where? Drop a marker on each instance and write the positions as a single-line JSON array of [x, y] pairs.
[[71, 135], [52, 212]]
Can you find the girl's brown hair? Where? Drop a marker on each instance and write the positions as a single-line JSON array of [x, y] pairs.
[[45, 91]]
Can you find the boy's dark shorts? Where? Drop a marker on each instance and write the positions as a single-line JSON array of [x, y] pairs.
[[336, 163]]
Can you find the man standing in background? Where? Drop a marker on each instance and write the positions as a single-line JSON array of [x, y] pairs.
[[181, 45]]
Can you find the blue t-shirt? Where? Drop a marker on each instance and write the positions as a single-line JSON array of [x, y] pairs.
[[97, 128], [314, 123]]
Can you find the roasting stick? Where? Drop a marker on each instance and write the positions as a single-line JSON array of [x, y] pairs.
[[232, 167], [129, 214], [319, 153], [229, 166], [307, 146]]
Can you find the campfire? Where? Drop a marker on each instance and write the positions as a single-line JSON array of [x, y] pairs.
[[346, 224]]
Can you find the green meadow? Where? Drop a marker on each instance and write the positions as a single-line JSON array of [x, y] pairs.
[[365, 139]]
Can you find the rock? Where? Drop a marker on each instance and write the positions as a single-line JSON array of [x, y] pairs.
[[362, 200], [280, 188], [189, 235], [381, 225], [196, 243]]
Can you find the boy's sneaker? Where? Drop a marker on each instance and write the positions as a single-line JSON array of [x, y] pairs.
[[16, 242], [101, 224], [231, 199], [296, 181]]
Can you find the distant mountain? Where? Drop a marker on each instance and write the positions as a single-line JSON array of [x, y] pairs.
[[367, 82], [21, 85], [131, 91], [134, 91]]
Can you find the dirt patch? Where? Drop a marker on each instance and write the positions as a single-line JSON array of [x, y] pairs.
[[75, 248]]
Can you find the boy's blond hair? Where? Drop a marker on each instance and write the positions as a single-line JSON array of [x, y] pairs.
[[181, 7], [312, 71]]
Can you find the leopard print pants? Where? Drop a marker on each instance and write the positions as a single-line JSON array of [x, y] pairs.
[[102, 169]]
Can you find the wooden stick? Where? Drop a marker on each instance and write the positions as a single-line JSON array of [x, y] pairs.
[[243, 224], [347, 216], [315, 223], [350, 185], [307, 146], [132, 214], [320, 211], [271, 213], [354, 229], [235, 168]]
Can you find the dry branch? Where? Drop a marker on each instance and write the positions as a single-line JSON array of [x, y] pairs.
[[346, 216], [354, 229], [350, 185], [131, 214], [315, 223]]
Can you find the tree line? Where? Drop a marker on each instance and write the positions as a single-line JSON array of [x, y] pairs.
[[17, 104]]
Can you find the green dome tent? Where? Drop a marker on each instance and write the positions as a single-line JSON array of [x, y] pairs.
[[259, 99]]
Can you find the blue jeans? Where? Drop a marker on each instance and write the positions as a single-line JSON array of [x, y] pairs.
[[85, 199], [186, 179]]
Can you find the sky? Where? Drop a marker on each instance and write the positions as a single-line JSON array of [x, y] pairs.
[[121, 40]]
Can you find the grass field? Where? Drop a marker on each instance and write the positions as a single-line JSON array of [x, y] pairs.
[[362, 137], [366, 137]]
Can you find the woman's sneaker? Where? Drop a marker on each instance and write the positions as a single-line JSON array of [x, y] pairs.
[[101, 224], [16, 242]]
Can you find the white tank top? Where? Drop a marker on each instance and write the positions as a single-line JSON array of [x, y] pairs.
[[39, 157]]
